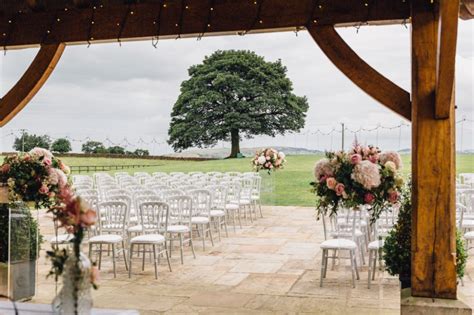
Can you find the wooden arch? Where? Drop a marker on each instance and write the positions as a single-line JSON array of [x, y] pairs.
[[31, 82], [359, 72]]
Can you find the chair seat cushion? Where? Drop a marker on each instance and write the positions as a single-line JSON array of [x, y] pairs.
[[199, 220], [217, 213], [106, 238], [135, 229], [338, 243], [61, 239], [469, 235], [178, 228], [231, 206], [375, 245], [148, 239]]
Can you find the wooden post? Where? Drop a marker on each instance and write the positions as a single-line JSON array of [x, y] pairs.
[[433, 262]]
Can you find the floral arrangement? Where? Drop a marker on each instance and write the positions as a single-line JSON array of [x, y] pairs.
[[36, 177], [268, 159], [364, 176], [41, 178]]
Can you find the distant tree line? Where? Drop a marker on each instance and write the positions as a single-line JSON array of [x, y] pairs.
[[27, 141]]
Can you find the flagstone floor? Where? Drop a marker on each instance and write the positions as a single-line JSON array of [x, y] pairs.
[[269, 267]]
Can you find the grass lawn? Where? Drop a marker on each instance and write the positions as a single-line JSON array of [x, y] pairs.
[[290, 186]]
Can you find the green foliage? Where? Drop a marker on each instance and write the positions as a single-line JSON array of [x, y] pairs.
[[93, 147], [461, 255], [25, 237], [234, 92], [141, 152], [61, 145], [397, 246], [116, 150], [27, 141]]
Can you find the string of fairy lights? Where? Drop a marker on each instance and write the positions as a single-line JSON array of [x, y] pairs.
[[312, 137], [318, 9]]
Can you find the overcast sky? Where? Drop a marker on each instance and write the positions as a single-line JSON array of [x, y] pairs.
[[116, 93]]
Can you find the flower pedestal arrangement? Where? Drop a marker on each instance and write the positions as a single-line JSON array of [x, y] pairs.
[[40, 179], [268, 160]]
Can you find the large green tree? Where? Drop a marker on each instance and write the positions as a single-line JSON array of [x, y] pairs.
[[27, 141], [234, 94]]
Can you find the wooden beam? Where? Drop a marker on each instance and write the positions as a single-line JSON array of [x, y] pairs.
[[359, 72], [447, 35], [73, 26], [31, 81], [433, 266]]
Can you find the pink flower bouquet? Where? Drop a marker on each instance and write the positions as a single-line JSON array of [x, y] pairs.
[[362, 176]]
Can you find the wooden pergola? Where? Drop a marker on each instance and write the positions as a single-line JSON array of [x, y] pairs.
[[54, 24]]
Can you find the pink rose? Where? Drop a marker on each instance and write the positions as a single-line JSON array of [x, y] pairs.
[[374, 158], [268, 158], [26, 157], [271, 166], [44, 189], [369, 198], [331, 182], [47, 162], [393, 196], [356, 158], [5, 168], [88, 218], [339, 189]]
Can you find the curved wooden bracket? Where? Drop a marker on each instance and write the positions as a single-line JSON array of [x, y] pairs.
[[363, 75], [31, 81], [446, 57]]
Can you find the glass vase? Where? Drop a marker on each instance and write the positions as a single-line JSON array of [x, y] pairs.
[[19, 240], [75, 296]]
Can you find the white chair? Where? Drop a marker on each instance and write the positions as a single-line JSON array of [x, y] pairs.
[[245, 202], [113, 224], [233, 201], [201, 214], [154, 217], [181, 209], [256, 194], [218, 203], [338, 245]]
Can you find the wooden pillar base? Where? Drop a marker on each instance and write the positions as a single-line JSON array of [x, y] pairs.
[[410, 305]]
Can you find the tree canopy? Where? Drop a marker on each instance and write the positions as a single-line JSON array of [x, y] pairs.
[[93, 147], [61, 145], [234, 94], [27, 141]]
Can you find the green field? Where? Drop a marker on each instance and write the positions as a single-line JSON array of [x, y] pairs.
[[291, 185]]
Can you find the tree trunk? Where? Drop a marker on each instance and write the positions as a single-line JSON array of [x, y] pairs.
[[234, 135]]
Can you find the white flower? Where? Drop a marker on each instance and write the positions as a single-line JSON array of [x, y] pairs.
[[391, 166], [261, 160], [40, 152], [281, 155]]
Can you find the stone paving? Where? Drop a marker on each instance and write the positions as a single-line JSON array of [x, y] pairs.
[[269, 267]]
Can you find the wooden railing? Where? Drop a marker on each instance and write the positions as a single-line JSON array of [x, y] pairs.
[[104, 168]]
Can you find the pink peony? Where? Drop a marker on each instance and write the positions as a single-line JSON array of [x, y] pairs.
[[44, 189], [391, 156], [340, 189], [367, 174], [62, 178], [53, 177], [356, 158], [5, 168], [323, 168], [40, 152], [369, 198], [331, 182]]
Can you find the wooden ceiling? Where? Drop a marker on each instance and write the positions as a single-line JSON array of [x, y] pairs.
[[34, 22]]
